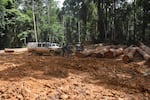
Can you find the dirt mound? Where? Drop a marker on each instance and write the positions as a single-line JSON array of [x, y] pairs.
[[24, 76]]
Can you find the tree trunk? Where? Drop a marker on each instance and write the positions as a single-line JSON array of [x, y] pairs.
[[144, 21], [134, 20], [114, 21], [101, 30], [35, 30], [68, 32], [48, 17]]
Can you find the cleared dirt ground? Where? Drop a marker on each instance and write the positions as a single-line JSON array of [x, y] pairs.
[[30, 77]]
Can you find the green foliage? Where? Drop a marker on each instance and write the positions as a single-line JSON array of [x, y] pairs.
[[16, 22], [109, 20], [100, 20], [23, 35]]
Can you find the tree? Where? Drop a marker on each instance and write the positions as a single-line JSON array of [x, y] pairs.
[[17, 22]]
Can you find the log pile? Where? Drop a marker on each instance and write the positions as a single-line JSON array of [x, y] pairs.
[[100, 51], [110, 51]]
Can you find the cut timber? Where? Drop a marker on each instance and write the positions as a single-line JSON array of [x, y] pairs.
[[9, 50], [94, 52], [109, 53], [118, 52], [144, 54], [99, 53], [113, 53], [145, 48], [85, 53], [129, 54], [128, 49]]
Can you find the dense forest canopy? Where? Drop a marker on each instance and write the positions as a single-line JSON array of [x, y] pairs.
[[24, 21], [117, 21]]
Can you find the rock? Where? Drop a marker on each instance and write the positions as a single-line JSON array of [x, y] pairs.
[[120, 98], [76, 84], [5, 96], [64, 96], [19, 97]]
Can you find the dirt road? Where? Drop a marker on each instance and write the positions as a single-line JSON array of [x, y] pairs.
[[30, 77]]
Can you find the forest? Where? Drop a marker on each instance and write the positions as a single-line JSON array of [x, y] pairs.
[[85, 21]]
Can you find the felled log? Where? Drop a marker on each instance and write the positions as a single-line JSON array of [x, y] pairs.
[[9, 50], [93, 46], [85, 53], [100, 50], [99, 53], [129, 54], [144, 54], [113, 53], [128, 49], [145, 48]]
